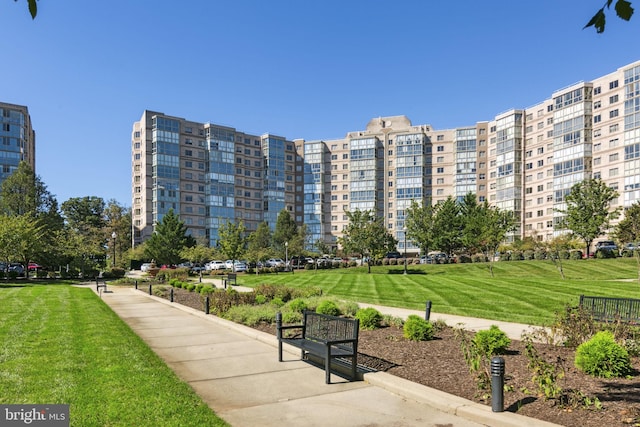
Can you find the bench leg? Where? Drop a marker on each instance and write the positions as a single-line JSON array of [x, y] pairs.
[[327, 366]]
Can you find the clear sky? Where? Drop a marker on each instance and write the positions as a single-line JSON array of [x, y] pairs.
[[299, 69]]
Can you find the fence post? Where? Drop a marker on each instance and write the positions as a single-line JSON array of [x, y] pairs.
[[150, 293], [136, 284], [171, 294], [206, 305], [279, 334]]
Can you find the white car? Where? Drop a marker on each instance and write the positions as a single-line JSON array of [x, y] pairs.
[[228, 264], [145, 267], [275, 262], [239, 267], [215, 265]]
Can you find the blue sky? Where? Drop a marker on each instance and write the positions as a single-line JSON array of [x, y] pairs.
[[313, 70]]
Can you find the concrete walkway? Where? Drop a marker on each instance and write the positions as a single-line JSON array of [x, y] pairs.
[[235, 369]]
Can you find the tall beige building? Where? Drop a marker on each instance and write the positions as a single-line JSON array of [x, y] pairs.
[[524, 161]]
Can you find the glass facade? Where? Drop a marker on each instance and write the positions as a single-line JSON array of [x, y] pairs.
[[220, 180], [274, 179], [16, 139]]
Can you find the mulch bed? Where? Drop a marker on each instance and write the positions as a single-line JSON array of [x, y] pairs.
[[440, 364]]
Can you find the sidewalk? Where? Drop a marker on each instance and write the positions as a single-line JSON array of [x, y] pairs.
[[235, 369]]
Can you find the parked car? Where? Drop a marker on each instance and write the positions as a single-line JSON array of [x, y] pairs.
[[632, 246], [297, 261], [32, 266], [393, 254], [228, 264], [274, 262], [426, 259], [145, 267], [240, 266], [607, 245], [215, 265], [197, 268], [16, 268]]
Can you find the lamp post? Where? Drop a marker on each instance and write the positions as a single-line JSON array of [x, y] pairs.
[[405, 249], [286, 255], [113, 237]]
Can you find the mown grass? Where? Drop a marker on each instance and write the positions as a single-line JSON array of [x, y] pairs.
[[529, 292], [61, 344]]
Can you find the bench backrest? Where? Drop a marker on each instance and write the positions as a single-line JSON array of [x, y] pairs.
[[231, 276], [323, 328], [612, 309]]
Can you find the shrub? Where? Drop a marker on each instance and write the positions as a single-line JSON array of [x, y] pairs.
[[492, 341], [540, 255], [575, 254], [528, 255], [298, 305], [206, 290], [190, 287], [605, 253], [602, 356], [199, 287], [417, 329], [369, 317], [349, 308], [261, 299], [328, 307], [291, 317], [390, 320], [464, 259], [277, 302], [563, 254]]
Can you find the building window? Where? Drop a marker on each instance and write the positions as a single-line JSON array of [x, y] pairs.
[[613, 84], [597, 119], [440, 170], [613, 99], [613, 113], [440, 147], [597, 90]]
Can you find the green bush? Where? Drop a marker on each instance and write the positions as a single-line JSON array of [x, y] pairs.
[[369, 317], [605, 253], [540, 255], [328, 307], [602, 356], [190, 287], [298, 305], [575, 254], [464, 259], [349, 308], [206, 290], [528, 255], [277, 302], [291, 317], [417, 329], [492, 341], [261, 299], [389, 320]]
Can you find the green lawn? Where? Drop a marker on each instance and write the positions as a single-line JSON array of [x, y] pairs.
[[529, 292], [62, 344]]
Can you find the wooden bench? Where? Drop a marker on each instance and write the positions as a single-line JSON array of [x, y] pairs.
[[324, 336], [99, 285], [229, 279], [607, 309]]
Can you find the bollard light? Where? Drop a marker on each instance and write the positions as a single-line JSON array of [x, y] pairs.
[[206, 305], [497, 384], [427, 312]]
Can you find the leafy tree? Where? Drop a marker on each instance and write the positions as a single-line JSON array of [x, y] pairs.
[[588, 213], [168, 240], [286, 230], [366, 235], [259, 244], [448, 223], [21, 239], [198, 254], [86, 231], [628, 230], [495, 224], [420, 224], [118, 219], [232, 239], [623, 10], [24, 193], [472, 217]]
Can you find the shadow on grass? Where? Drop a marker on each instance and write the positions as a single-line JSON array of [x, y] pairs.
[[409, 271]]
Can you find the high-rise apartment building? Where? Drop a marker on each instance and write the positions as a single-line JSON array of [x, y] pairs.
[[208, 174], [524, 161], [17, 139]]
